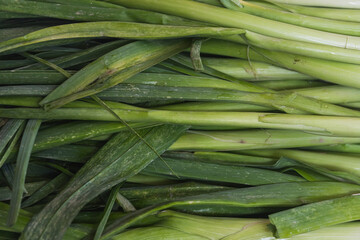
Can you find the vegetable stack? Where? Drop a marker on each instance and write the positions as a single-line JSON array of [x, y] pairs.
[[181, 119]]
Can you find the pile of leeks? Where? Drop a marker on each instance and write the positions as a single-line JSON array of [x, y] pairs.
[[181, 119]]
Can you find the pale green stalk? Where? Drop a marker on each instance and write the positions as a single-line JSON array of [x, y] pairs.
[[354, 105], [279, 85], [333, 161], [331, 94], [253, 71], [264, 11], [157, 232], [354, 4], [252, 139], [225, 17], [351, 15], [329, 125], [339, 148], [336, 72], [343, 126], [184, 226], [186, 63], [194, 227], [231, 49], [345, 231], [228, 119], [213, 106], [303, 48]]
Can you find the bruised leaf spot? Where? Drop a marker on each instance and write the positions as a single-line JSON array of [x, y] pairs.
[[296, 60]]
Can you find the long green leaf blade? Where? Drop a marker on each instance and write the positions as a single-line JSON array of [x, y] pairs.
[[12, 145], [84, 12], [189, 169], [114, 30], [56, 183], [108, 207], [122, 157], [22, 162], [112, 69], [8, 131]]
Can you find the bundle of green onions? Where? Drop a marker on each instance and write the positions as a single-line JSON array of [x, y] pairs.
[[181, 119]]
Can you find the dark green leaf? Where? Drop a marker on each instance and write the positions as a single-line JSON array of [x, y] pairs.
[[55, 184], [122, 157], [113, 68], [316, 215], [8, 131], [108, 208], [22, 162], [190, 169]]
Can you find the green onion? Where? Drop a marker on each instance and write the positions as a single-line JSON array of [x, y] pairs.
[[109, 205], [185, 226], [255, 71], [327, 25], [338, 126], [321, 3], [139, 56], [22, 162], [313, 216], [76, 231], [102, 171], [225, 109], [274, 195], [252, 139], [115, 30], [86, 12], [351, 15], [337, 72], [228, 18], [303, 48], [218, 173], [335, 165]]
